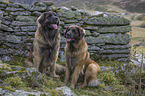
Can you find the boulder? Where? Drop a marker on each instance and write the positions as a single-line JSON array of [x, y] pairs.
[[32, 76]]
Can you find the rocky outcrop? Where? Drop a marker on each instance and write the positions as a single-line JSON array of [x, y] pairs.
[[106, 34]]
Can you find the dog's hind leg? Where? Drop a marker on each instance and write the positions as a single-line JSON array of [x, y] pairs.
[[90, 76]]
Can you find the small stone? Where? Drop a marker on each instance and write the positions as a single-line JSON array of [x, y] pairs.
[[66, 91], [73, 8]]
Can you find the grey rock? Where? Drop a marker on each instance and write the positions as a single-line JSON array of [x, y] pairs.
[[17, 29], [37, 8], [23, 93], [123, 59], [24, 13], [113, 38], [63, 8], [36, 13], [137, 59], [13, 38], [29, 28], [91, 40], [95, 34], [6, 28], [13, 5], [6, 58], [26, 18], [84, 13], [70, 21], [116, 29], [20, 33], [115, 56], [6, 22], [116, 46], [106, 68], [95, 48], [91, 28], [5, 52], [113, 51], [31, 33], [139, 44], [25, 6], [3, 5], [7, 17], [107, 21], [1, 14], [66, 91], [20, 23], [88, 33], [5, 1], [73, 8], [98, 14], [50, 8], [48, 3], [14, 9], [32, 76], [39, 4]]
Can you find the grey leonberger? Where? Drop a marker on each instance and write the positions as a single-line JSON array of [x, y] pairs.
[[45, 48]]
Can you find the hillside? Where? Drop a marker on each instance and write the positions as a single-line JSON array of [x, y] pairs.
[[96, 5]]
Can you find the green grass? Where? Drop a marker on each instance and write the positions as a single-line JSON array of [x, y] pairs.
[[15, 82]]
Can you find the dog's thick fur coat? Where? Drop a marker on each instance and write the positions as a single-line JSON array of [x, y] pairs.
[[45, 48], [78, 59]]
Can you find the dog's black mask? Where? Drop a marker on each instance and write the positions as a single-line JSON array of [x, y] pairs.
[[49, 20], [74, 33]]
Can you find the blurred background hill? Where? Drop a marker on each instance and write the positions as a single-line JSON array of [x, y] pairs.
[[96, 5]]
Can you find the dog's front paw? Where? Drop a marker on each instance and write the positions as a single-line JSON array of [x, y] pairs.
[[78, 87], [55, 76]]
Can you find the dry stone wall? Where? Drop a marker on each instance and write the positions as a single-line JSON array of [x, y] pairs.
[[106, 34]]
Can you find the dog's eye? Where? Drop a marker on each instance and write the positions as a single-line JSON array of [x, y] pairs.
[[74, 31], [54, 14], [49, 15]]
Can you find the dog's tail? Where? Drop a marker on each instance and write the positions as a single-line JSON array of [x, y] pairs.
[[93, 82], [60, 69]]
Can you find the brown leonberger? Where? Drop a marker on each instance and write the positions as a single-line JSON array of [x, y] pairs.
[[45, 48], [78, 59]]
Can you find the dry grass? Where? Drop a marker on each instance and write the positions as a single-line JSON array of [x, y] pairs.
[[138, 36]]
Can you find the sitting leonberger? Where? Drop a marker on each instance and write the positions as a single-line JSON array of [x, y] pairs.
[[45, 48], [78, 59]]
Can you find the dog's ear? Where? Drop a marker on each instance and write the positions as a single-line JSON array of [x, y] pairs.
[[58, 22], [41, 19], [81, 32], [67, 29]]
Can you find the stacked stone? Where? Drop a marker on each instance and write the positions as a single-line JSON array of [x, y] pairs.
[[18, 26], [106, 34]]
